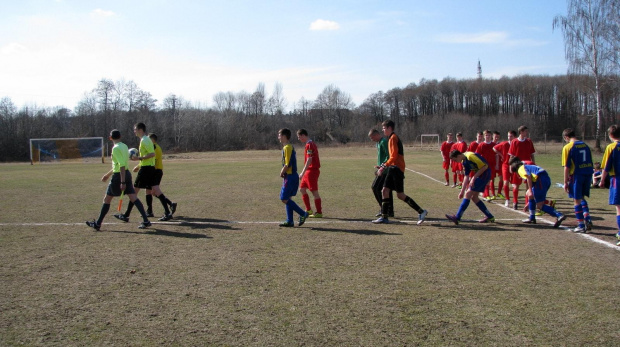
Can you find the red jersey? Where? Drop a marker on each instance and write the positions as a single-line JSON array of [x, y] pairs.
[[460, 146], [446, 148], [502, 148], [522, 149], [486, 151], [311, 151], [473, 146]]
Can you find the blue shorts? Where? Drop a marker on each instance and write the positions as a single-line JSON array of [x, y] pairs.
[[290, 184], [579, 186], [541, 187], [614, 192], [481, 182]]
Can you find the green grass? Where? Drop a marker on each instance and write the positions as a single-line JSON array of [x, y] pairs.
[[223, 273]]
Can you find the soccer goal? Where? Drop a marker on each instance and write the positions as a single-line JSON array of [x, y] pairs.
[[429, 141], [53, 150]]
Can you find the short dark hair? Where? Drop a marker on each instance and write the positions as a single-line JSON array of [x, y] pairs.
[[302, 132], [153, 136], [140, 126], [285, 132], [115, 134], [513, 132], [374, 131], [568, 132], [388, 124], [521, 128], [459, 134], [496, 132], [515, 163], [455, 153], [614, 131]]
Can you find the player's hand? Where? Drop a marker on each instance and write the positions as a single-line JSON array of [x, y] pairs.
[[104, 178], [461, 194], [601, 184], [136, 169]]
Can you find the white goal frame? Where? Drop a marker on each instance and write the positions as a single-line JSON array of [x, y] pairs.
[[101, 145], [433, 144]]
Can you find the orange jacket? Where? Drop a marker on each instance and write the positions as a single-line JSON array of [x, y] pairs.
[[397, 153]]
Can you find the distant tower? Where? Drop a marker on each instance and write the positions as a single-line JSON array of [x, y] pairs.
[[479, 70]]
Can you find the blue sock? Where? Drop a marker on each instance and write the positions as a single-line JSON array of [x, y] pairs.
[[531, 203], [586, 210], [548, 209], [484, 209], [462, 208], [296, 208], [289, 212], [579, 216]]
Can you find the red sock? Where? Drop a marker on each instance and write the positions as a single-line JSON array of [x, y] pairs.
[[515, 195], [306, 199], [447, 175], [500, 186], [492, 186], [317, 203], [506, 191], [454, 178]]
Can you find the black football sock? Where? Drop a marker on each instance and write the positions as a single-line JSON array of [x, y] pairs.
[[163, 199], [104, 210], [149, 203], [385, 207], [413, 204], [140, 208], [129, 208]]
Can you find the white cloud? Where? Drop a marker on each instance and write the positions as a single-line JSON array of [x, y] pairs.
[[321, 24], [102, 13]]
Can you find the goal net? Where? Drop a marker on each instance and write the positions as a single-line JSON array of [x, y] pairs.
[[429, 141], [53, 150]]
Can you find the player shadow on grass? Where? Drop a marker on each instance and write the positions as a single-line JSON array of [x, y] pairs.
[[160, 232], [353, 231]]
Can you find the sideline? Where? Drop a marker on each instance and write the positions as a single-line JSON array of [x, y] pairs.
[[567, 229]]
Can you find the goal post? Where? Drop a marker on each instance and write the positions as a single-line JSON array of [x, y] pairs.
[[429, 141], [57, 149]]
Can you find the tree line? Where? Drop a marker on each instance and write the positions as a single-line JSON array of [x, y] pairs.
[[237, 121]]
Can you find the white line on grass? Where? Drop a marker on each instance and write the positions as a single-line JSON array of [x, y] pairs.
[[586, 236]]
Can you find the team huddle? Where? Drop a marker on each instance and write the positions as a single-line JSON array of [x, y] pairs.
[[474, 169]]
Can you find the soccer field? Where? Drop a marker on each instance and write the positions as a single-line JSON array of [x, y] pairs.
[[223, 273]]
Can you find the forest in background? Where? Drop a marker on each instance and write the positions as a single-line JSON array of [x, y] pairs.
[[242, 120]]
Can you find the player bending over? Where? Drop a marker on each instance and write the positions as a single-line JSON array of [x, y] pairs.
[[472, 186]]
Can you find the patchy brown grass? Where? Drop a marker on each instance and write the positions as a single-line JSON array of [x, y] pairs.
[[223, 273]]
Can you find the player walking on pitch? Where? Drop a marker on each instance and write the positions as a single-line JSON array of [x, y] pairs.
[[578, 169], [309, 175], [395, 176], [472, 186], [159, 173], [611, 165], [120, 182], [290, 180], [383, 154], [146, 174]]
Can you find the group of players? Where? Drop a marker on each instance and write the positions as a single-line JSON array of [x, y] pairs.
[[473, 167], [150, 173]]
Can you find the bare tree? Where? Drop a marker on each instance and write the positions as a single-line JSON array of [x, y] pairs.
[[588, 49]]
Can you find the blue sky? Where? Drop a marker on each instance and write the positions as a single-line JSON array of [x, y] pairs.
[[53, 51]]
